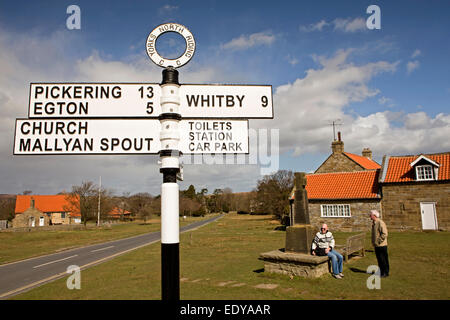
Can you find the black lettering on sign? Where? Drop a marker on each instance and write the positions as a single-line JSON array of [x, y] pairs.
[[149, 91], [211, 101], [264, 101], [104, 144], [22, 128], [126, 144], [25, 145]]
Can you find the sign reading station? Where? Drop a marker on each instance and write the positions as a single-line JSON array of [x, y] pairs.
[[132, 136], [142, 100]]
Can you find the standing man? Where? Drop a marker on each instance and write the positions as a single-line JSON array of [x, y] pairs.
[[323, 245], [379, 241]]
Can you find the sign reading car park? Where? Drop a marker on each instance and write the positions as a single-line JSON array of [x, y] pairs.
[[131, 136], [142, 100]]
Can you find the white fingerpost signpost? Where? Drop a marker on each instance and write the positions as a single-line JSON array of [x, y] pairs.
[[164, 118], [170, 156]]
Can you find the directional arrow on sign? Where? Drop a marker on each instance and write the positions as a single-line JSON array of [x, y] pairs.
[[142, 100], [126, 136]]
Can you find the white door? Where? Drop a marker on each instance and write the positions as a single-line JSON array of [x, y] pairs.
[[32, 221], [41, 221], [428, 212]]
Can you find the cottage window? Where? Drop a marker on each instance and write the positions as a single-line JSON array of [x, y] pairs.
[[424, 172], [63, 215], [335, 210]]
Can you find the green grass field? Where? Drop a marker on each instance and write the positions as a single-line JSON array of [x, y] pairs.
[[220, 261]]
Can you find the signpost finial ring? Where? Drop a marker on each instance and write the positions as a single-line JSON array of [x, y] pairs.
[[170, 27]]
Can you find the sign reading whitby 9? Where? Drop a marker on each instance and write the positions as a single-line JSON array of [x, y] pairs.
[[124, 118]]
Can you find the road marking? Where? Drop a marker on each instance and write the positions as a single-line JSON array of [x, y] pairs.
[[44, 264], [102, 249]]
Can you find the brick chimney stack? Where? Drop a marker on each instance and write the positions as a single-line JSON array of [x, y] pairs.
[[338, 146], [367, 153]]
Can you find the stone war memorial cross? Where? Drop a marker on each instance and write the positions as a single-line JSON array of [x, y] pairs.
[[295, 259]]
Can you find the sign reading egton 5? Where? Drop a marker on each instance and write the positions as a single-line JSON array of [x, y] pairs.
[[142, 100], [132, 136]]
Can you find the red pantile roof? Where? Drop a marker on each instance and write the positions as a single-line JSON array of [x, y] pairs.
[[44, 203], [343, 185], [398, 168], [117, 212], [364, 162]]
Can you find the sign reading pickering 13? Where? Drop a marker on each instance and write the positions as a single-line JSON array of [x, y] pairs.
[[170, 27]]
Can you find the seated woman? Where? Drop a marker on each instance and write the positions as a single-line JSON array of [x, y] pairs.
[[323, 245]]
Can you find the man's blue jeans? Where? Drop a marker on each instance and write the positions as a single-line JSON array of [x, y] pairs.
[[336, 261]]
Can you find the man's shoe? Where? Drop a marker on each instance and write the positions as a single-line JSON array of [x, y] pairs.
[[341, 274], [384, 276], [337, 276]]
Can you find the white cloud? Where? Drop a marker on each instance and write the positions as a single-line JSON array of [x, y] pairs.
[[416, 53], [350, 25], [292, 60], [388, 102], [168, 7], [304, 108], [314, 26], [245, 42], [347, 25], [411, 66]]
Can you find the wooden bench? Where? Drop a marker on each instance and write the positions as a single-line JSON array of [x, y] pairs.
[[353, 244]]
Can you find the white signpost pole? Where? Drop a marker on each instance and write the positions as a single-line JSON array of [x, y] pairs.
[[170, 163], [170, 167]]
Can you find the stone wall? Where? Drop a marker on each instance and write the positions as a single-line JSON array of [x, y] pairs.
[[56, 218], [61, 227], [359, 210], [401, 204], [338, 162]]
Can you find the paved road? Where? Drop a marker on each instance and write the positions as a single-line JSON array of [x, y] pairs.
[[23, 275]]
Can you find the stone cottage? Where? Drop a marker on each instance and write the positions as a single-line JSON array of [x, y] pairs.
[[416, 191], [44, 210], [343, 190], [31, 217]]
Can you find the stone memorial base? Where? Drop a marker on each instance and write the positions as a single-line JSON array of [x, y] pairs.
[[295, 264], [299, 238]]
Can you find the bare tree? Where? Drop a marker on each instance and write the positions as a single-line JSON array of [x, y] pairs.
[[84, 199], [7, 208], [140, 205], [272, 193]]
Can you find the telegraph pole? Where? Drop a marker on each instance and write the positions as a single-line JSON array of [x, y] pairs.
[[99, 194]]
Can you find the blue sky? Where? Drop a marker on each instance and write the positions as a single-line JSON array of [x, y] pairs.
[[390, 87]]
